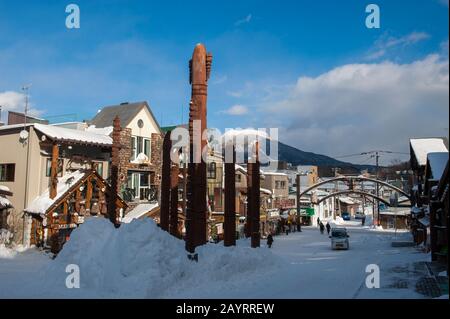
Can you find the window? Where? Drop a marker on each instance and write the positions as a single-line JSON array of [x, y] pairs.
[[238, 178], [99, 168], [7, 172], [211, 173], [147, 147], [139, 145], [48, 167]]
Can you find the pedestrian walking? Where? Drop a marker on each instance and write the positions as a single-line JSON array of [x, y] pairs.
[[322, 227], [318, 222], [328, 228], [269, 241], [363, 220]]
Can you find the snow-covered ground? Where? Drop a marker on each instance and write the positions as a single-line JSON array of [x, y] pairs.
[[138, 260]]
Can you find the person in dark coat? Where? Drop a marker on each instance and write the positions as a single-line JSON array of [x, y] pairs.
[[322, 227], [318, 221], [328, 228], [363, 220], [269, 241]]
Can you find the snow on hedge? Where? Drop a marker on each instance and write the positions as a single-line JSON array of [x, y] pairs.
[[139, 260]]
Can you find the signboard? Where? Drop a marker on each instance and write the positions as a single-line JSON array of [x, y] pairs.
[[64, 226]]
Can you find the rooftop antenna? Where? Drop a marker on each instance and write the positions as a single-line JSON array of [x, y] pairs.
[[24, 133]]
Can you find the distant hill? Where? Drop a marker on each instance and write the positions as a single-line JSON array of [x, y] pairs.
[[296, 157]]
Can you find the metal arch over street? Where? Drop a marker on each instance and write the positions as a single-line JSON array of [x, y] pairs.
[[350, 191], [351, 180]]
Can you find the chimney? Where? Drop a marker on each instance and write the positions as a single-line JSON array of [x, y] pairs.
[[112, 209]]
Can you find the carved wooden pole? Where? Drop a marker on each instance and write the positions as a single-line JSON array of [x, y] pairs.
[[165, 183], [255, 198], [196, 211], [54, 171], [230, 198], [249, 210], [174, 200]]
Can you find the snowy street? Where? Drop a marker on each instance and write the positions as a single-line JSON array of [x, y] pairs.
[[299, 265]]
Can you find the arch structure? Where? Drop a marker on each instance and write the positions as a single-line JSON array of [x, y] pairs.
[[362, 193], [351, 181]]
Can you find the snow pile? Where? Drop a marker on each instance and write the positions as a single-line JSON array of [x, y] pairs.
[[4, 202], [139, 260], [6, 252]]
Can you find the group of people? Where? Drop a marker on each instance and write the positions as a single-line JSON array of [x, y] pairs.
[[322, 226], [285, 226]]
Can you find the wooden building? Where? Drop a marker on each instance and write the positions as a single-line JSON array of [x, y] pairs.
[[80, 195]]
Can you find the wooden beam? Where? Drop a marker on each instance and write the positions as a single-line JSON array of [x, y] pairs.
[[88, 194], [54, 171]]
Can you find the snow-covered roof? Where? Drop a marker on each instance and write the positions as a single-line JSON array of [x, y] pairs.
[[100, 130], [266, 191], [348, 200], [398, 213], [43, 202], [139, 211], [271, 173], [422, 146], [437, 162], [71, 135]]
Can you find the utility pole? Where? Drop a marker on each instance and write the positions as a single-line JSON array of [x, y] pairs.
[[298, 201], [377, 156]]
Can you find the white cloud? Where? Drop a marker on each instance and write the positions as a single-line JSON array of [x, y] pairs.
[[15, 101], [358, 107], [236, 110], [247, 19], [387, 43], [219, 79]]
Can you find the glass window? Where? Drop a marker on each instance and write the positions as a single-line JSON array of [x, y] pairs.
[[99, 168], [48, 167], [211, 170], [133, 148], [7, 172], [238, 178], [147, 147], [139, 143]]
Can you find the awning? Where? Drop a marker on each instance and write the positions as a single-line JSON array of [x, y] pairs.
[[425, 221]]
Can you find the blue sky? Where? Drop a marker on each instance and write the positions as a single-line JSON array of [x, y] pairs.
[[139, 50]]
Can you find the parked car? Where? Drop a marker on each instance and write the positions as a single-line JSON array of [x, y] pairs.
[[339, 238], [346, 216], [359, 215]]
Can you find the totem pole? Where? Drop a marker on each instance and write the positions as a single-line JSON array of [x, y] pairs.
[[253, 193], [165, 183], [196, 210], [229, 224], [174, 171]]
